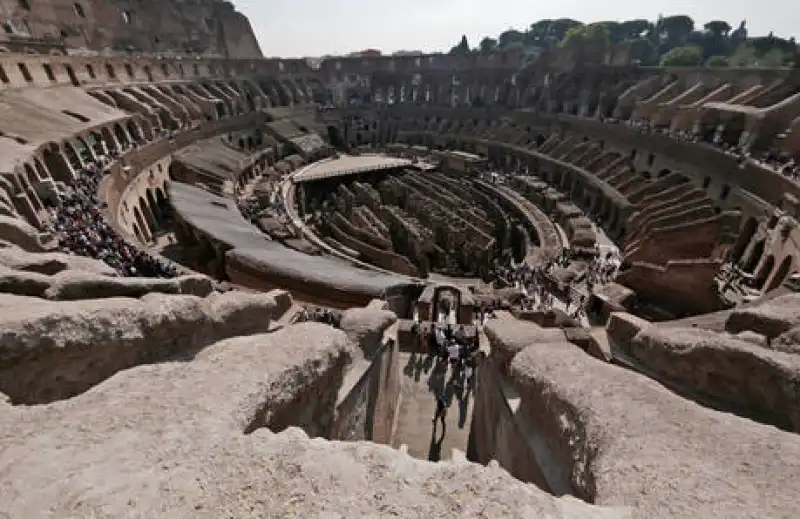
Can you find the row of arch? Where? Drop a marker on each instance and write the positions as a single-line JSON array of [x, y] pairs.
[[62, 161]]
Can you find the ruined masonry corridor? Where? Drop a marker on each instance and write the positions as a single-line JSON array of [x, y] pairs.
[[418, 405]]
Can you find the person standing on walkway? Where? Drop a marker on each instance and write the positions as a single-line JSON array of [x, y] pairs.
[[441, 411]]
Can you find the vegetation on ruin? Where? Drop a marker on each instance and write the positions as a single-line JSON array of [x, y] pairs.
[[669, 41]]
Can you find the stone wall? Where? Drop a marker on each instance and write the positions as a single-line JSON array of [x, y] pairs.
[[367, 410], [498, 432], [213, 28]]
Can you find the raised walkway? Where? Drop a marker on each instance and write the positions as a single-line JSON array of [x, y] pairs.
[[415, 428]]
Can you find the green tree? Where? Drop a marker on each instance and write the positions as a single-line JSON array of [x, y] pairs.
[[686, 56], [744, 56], [718, 28], [594, 35], [560, 27], [644, 51], [635, 29], [717, 61], [772, 59], [487, 45], [510, 36], [462, 49], [675, 30]]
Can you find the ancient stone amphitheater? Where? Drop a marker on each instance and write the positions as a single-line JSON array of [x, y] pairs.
[[170, 226]]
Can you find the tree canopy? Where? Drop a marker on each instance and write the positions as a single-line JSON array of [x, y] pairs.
[[674, 40]]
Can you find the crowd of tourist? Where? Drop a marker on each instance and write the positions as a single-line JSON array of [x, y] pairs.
[[317, 314], [79, 225], [779, 161], [459, 350]]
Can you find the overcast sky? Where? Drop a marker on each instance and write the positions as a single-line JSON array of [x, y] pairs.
[[294, 28]]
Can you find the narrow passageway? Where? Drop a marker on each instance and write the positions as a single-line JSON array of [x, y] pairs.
[[421, 382]]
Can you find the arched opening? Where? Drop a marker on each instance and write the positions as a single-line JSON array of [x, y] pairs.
[[163, 206], [765, 271], [446, 305], [133, 131], [781, 274], [745, 235], [120, 135], [147, 214], [108, 138], [158, 220], [706, 182], [96, 143], [31, 175], [41, 171], [144, 230], [755, 257], [84, 151], [72, 77], [663, 173], [72, 157], [138, 233]]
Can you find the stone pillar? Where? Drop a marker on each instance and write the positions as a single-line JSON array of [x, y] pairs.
[[24, 207]]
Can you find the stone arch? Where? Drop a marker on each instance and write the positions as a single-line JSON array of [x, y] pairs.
[[120, 134], [663, 173], [450, 303], [30, 174], [85, 153], [72, 156], [765, 271], [781, 273], [143, 235], [55, 162], [155, 210], [108, 138], [137, 232], [133, 130], [745, 236], [147, 214], [40, 169], [96, 143], [755, 256]]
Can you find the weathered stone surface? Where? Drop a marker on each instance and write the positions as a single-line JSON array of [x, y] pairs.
[[508, 337], [550, 318], [20, 233], [586, 340], [752, 338], [770, 319], [70, 285], [51, 263], [378, 304], [623, 438], [365, 327], [167, 440], [51, 350], [788, 342], [622, 327], [76, 284], [733, 372], [283, 301]]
